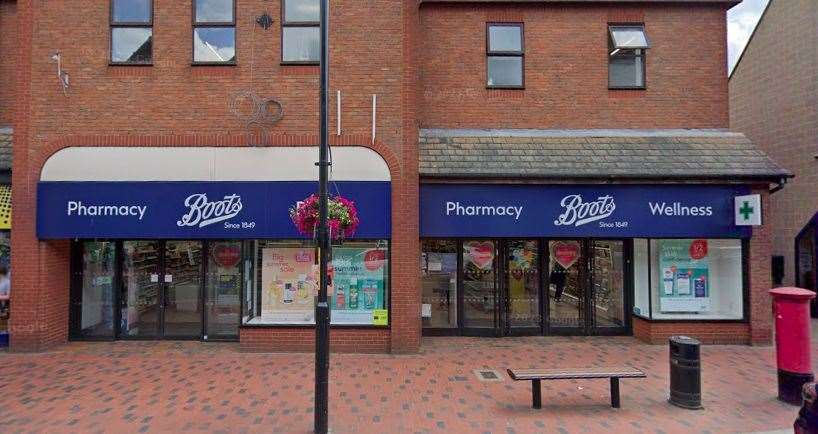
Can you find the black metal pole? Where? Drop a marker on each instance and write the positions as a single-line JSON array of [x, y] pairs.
[[322, 312]]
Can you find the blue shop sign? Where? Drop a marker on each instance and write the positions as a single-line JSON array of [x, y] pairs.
[[604, 211], [196, 210]]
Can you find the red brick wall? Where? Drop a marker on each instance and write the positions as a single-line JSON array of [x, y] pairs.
[[8, 59], [761, 316], [175, 104], [566, 68], [658, 332], [342, 340], [773, 94]]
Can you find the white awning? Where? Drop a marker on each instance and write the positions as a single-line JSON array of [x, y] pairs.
[[350, 163]]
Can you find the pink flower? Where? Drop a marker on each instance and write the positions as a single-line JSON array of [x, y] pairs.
[[343, 216]]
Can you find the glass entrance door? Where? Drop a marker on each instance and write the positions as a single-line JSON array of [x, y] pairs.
[[93, 293], [586, 287], [608, 285], [522, 287], [567, 285], [223, 289], [141, 289], [182, 278], [161, 289], [479, 287]]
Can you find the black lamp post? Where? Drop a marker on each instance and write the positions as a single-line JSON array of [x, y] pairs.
[[322, 312]]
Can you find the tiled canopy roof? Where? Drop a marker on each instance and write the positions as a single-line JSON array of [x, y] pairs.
[[5, 148], [634, 154], [731, 2]]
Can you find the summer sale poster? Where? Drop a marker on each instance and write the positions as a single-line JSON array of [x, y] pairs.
[[358, 284], [288, 285], [684, 276]]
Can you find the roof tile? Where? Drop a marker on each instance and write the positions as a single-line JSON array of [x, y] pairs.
[[593, 154]]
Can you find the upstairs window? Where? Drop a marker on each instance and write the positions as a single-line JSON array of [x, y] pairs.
[[214, 32], [132, 32], [626, 60], [505, 56], [300, 32]]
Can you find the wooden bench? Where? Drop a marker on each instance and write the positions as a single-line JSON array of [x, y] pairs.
[[535, 376]]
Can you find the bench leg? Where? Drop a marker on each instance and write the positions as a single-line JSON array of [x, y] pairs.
[[536, 393], [615, 392]]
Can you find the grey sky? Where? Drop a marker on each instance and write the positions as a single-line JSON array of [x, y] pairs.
[[741, 20]]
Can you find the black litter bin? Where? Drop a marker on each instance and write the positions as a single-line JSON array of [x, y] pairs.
[[685, 373]]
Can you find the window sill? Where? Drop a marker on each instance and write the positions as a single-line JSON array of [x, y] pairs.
[[693, 320], [312, 326], [300, 69], [130, 69], [127, 64], [300, 63], [200, 69], [198, 64], [505, 87], [628, 88]]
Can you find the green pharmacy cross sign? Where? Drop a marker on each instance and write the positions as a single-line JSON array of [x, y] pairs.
[[748, 210]]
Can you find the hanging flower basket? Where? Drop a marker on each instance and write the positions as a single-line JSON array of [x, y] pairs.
[[343, 217]]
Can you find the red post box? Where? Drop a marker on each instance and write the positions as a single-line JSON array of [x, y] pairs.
[[792, 341]]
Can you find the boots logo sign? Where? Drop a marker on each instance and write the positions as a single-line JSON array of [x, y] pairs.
[[578, 212], [202, 212]]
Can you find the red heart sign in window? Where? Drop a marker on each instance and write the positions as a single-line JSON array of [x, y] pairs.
[[698, 249], [374, 259], [481, 254], [226, 255], [566, 254]]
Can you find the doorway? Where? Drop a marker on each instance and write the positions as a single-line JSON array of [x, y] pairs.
[[526, 286], [501, 287], [161, 295], [158, 289], [586, 287]]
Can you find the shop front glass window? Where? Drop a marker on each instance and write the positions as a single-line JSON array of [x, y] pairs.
[[288, 281], [438, 266], [523, 282], [98, 271], [608, 280], [359, 280], [479, 284], [140, 297], [224, 281], [697, 279], [641, 278]]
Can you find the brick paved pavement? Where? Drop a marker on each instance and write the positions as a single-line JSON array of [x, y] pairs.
[[207, 387]]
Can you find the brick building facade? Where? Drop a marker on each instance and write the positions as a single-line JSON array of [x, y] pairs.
[[782, 115], [426, 65]]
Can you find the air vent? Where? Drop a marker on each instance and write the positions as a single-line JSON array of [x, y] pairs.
[[488, 375]]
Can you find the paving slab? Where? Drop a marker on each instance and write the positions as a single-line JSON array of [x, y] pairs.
[[161, 387]]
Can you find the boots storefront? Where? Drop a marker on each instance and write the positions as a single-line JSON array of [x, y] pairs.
[[194, 243], [595, 232], [578, 259]]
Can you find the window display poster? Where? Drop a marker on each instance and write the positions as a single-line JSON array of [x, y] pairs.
[[684, 276], [358, 285], [288, 285]]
